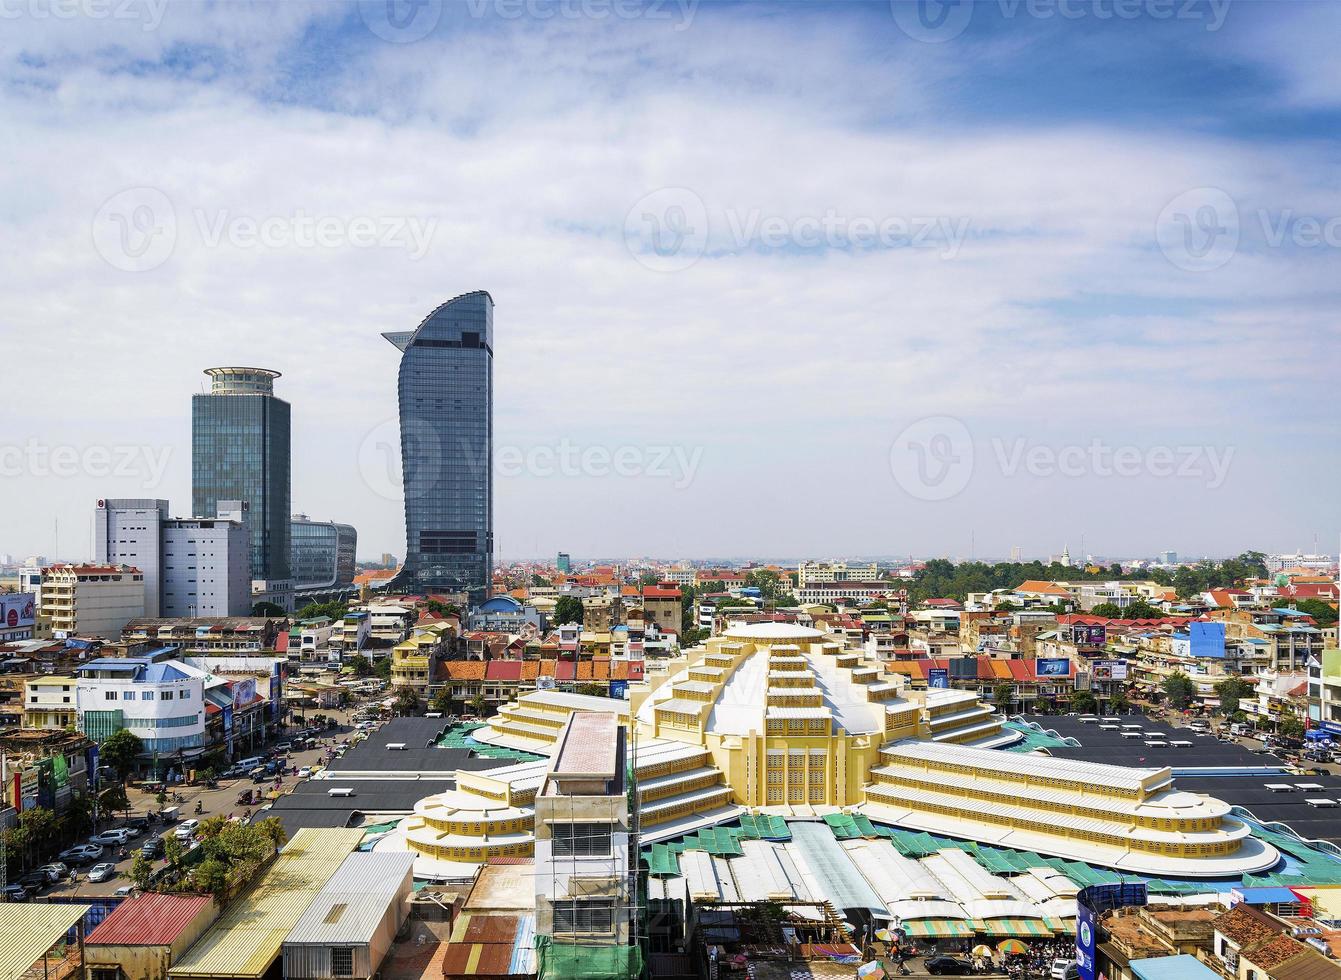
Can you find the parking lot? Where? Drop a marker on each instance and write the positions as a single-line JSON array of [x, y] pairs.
[[220, 801]]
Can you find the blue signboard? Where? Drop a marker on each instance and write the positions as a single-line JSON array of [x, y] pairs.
[[938, 677], [619, 689], [1052, 667], [1086, 943]]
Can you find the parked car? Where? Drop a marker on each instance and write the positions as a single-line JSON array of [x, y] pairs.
[[101, 872], [152, 848], [81, 854], [34, 881], [304, 772], [948, 966], [16, 893], [114, 838], [284, 747], [125, 891], [55, 871], [186, 830], [1059, 968]]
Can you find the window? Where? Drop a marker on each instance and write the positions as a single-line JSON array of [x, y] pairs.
[[581, 839], [584, 917], [342, 961], [146, 695], [109, 695]]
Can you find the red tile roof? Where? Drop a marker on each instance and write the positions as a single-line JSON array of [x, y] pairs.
[[148, 920], [466, 670], [504, 670]]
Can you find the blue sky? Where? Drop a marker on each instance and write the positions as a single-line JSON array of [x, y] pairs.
[[811, 252]]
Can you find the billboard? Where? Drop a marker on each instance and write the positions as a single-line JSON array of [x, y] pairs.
[[1088, 634], [244, 692], [938, 677], [18, 611], [1052, 667], [618, 689], [1110, 670], [1086, 942]]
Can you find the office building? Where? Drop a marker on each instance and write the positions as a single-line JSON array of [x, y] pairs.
[[240, 437], [445, 392], [161, 701], [564, 563], [206, 568], [90, 600], [321, 554], [825, 573], [129, 532]]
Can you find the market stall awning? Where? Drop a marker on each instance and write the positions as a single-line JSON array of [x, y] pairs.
[[1022, 928], [937, 929]]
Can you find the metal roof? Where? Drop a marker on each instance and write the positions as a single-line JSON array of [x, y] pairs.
[[350, 906], [246, 939], [148, 920], [29, 931]]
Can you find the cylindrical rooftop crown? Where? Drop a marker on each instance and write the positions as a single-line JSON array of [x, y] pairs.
[[242, 380]]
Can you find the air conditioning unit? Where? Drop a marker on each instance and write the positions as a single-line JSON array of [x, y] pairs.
[[340, 791], [396, 746]]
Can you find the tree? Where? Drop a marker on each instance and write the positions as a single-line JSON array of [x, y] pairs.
[[360, 665], [1119, 704], [1084, 701], [173, 851], [1180, 690], [1003, 695], [382, 668], [1139, 609], [142, 872], [316, 610], [567, 610], [693, 636], [1231, 691], [477, 704], [594, 690], [406, 700], [442, 701], [1323, 614], [440, 608], [539, 580], [1290, 727], [268, 609], [114, 798], [121, 751]]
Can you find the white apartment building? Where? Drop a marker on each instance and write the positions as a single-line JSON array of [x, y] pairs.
[[1300, 562], [206, 568], [822, 572], [89, 600], [49, 702], [129, 532], [161, 701]]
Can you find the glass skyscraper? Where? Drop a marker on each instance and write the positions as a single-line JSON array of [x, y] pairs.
[[322, 552], [240, 451], [446, 442]]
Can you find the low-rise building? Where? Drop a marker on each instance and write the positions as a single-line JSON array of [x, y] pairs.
[[162, 701], [144, 935], [49, 702], [90, 600]]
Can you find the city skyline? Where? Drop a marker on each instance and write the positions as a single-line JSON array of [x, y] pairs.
[[1098, 375]]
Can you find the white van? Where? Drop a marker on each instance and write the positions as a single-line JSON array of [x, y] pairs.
[[249, 763]]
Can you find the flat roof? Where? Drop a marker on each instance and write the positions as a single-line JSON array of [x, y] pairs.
[[247, 938], [30, 930], [589, 746], [350, 906], [1181, 967]]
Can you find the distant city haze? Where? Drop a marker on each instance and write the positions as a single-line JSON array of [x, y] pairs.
[[799, 281]]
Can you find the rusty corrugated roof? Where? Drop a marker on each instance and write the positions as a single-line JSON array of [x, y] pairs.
[[148, 920]]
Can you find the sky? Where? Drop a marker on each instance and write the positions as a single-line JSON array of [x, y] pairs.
[[771, 279]]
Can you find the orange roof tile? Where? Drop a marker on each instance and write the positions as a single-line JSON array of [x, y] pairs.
[[466, 670]]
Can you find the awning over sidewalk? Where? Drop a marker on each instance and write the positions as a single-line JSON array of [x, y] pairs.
[[1020, 928], [937, 929]]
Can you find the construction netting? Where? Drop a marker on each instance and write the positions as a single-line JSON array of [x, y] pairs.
[[846, 826], [458, 737], [586, 961]]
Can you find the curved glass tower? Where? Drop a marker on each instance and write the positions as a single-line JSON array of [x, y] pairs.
[[446, 446]]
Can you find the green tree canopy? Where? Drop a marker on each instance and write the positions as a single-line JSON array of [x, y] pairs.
[[568, 610], [1179, 689], [1139, 609], [1323, 614], [1084, 701], [406, 700], [1003, 694], [121, 750], [316, 610], [268, 609], [1231, 691]]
